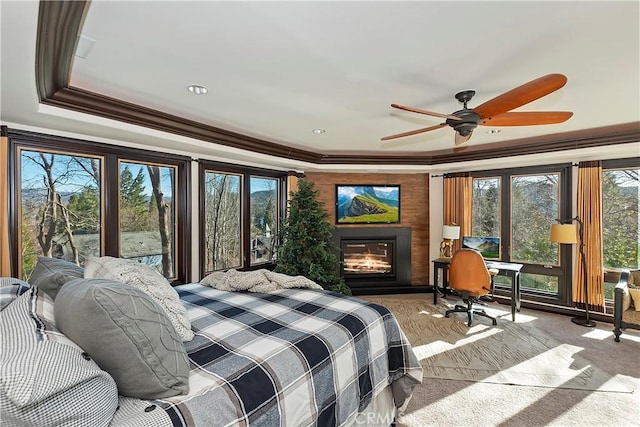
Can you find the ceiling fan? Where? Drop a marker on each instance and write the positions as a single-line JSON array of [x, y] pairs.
[[496, 111]]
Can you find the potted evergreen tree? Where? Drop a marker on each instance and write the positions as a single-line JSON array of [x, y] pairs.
[[306, 248]]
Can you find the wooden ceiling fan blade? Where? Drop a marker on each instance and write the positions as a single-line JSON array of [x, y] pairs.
[[462, 139], [527, 118], [521, 95], [428, 113], [413, 132]]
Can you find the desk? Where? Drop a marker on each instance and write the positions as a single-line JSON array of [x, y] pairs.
[[508, 269]]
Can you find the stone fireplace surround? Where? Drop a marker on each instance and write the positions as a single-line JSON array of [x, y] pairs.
[[372, 285]]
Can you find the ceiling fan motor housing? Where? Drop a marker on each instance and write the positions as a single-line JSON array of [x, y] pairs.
[[469, 121]]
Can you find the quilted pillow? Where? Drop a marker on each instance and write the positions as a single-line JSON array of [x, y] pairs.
[[127, 333], [50, 274], [46, 379], [146, 279]]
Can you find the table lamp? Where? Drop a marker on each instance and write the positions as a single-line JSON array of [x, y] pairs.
[[449, 234], [565, 233]]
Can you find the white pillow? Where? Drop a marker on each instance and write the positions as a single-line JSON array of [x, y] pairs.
[[147, 279]]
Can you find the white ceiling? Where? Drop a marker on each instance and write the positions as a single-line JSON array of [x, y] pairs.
[[277, 70]]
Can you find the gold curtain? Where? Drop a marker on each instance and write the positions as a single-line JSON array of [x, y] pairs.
[[590, 212], [457, 189], [292, 183], [5, 253]]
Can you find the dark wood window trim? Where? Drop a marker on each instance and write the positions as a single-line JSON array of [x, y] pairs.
[[246, 172], [565, 271], [111, 154]]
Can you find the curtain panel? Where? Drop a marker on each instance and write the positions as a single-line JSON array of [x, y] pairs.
[[5, 252], [457, 192], [589, 210]]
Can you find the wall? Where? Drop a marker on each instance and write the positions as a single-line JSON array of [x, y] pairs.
[[414, 209]]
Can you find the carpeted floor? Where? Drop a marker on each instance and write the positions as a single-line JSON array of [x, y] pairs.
[[540, 370]]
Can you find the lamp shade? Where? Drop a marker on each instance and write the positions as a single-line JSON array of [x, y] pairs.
[[563, 233], [451, 232]]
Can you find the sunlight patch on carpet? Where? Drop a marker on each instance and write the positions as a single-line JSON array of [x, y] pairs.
[[510, 353]]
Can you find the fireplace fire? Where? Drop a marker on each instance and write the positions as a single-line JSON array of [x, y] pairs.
[[362, 257]]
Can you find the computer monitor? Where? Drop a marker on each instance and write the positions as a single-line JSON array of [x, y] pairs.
[[489, 247]]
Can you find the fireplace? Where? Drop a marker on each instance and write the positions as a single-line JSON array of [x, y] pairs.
[[374, 257]]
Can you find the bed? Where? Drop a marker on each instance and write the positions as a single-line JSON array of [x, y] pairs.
[[291, 357]]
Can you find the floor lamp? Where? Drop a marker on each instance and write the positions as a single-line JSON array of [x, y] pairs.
[[565, 233]]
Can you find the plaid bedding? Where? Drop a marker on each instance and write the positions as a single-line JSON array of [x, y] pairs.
[[294, 357]]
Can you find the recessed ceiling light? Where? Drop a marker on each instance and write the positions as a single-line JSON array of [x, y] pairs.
[[318, 131], [493, 131], [197, 89]]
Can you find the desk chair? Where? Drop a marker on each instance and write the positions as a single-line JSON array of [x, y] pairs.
[[469, 275]]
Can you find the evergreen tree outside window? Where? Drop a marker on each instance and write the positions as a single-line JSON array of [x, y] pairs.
[[147, 219]]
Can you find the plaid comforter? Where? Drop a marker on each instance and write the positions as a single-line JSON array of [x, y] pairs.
[[293, 357]]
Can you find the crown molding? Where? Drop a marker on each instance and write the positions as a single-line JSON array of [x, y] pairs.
[[60, 22]]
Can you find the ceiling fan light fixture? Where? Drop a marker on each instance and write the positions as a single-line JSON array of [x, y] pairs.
[[465, 129], [318, 131], [197, 89]]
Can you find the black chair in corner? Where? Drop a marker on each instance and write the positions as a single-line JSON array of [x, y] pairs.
[[625, 314], [469, 275]]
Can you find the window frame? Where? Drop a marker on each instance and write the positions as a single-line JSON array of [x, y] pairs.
[[111, 155], [564, 271], [612, 275], [246, 173]]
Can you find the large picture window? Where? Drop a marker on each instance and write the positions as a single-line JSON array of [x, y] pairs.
[[519, 206], [60, 207], [147, 215], [264, 218], [485, 219], [222, 220], [620, 220], [78, 198], [240, 212]]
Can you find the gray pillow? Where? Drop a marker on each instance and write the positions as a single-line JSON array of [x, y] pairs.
[[50, 274], [128, 335], [147, 279]]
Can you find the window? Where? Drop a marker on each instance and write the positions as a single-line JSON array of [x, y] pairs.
[[147, 220], [534, 207], [485, 220], [223, 221], [92, 199], [240, 213], [264, 218], [519, 206], [620, 232], [60, 207]]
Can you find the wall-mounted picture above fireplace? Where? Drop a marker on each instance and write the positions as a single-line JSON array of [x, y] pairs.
[[367, 204]]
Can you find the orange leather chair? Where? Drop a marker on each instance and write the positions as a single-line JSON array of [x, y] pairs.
[[469, 275]]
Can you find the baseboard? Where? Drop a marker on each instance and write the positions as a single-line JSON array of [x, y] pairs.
[[387, 290]]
